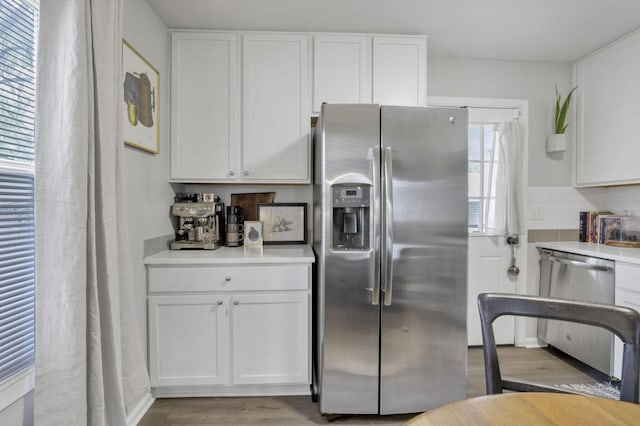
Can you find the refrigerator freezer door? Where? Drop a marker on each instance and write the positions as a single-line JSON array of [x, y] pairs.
[[423, 330], [347, 311]]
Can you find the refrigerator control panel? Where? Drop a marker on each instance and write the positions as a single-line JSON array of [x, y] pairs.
[[350, 196]]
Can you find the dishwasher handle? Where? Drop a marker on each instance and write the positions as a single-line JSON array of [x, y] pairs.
[[580, 264]]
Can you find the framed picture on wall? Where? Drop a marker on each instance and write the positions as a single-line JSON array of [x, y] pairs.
[[140, 101], [283, 223]]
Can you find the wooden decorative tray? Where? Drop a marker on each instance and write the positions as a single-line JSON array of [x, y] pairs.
[[633, 244]]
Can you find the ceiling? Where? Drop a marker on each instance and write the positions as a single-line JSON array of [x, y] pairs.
[[531, 30]]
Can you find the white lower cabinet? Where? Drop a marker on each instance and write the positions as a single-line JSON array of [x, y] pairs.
[[245, 333], [628, 295], [188, 340], [270, 338]]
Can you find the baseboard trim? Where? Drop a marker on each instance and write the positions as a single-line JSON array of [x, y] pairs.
[[140, 409], [240, 390], [532, 342]]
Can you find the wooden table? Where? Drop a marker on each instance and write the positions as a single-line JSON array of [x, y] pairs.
[[531, 408]]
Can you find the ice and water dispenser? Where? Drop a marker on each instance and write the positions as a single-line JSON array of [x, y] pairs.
[[351, 215]]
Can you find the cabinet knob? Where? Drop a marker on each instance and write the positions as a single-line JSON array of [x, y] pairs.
[[236, 302], [227, 278], [246, 173], [219, 302], [231, 173]]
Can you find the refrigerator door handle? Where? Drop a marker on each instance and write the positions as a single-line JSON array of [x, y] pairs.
[[375, 178], [388, 226]]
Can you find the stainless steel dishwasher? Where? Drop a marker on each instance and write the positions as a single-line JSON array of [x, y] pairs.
[[584, 278]]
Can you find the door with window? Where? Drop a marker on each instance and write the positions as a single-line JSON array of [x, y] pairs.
[[489, 255], [491, 183]]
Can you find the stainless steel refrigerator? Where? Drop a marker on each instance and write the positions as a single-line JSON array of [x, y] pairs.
[[390, 237]]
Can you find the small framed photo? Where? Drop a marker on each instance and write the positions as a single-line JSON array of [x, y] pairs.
[[253, 234], [284, 223]]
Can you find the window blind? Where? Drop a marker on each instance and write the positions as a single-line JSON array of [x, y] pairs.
[[18, 34], [17, 273]]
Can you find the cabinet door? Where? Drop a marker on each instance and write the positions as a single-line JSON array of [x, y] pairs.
[[627, 294], [607, 109], [341, 70], [270, 335], [275, 108], [188, 341], [629, 299], [400, 70], [204, 106]]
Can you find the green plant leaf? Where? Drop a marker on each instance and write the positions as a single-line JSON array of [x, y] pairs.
[[557, 124], [561, 110]]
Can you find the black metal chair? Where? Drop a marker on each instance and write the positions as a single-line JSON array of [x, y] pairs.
[[624, 322]]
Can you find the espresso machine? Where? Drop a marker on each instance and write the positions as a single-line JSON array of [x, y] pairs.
[[200, 223]]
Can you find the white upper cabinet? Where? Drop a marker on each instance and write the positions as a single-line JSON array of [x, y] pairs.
[[241, 101], [341, 69], [400, 70], [390, 70], [275, 108], [245, 123], [607, 108], [204, 106]]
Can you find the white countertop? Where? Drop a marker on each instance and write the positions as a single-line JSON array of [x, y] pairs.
[[621, 254], [234, 255]]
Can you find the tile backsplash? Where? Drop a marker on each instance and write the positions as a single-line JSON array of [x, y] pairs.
[[547, 235], [557, 208]]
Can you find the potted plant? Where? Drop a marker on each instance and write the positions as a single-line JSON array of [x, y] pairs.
[[558, 141]]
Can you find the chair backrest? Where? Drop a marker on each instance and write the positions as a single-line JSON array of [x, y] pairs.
[[623, 322]]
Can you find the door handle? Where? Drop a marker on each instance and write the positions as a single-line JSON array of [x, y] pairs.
[[388, 226], [579, 264], [375, 213]]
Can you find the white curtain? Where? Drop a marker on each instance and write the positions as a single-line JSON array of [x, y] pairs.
[[510, 140], [503, 213], [90, 366]]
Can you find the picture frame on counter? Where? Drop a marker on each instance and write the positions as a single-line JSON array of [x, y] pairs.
[[283, 223], [140, 101], [253, 237]]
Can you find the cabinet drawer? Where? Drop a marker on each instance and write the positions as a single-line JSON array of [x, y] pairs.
[[227, 278], [627, 276]]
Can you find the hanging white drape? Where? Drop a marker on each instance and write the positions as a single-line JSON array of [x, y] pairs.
[[510, 140], [90, 366], [503, 213], [495, 186]]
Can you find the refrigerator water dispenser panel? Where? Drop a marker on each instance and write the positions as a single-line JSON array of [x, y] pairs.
[[350, 217]]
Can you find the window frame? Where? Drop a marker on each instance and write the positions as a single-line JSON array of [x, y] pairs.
[[482, 162], [22, 382]]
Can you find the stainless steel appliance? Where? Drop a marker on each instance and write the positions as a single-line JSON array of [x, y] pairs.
[[200, 224], [588, 279], [390, 237]]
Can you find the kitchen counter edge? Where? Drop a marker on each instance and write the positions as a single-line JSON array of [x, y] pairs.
[[234, 255], [620, 254]]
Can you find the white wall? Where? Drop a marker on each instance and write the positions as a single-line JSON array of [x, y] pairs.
[[534, 81], [148, 193]]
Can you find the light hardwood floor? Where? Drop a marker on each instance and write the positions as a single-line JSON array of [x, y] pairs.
[[540, 365]]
